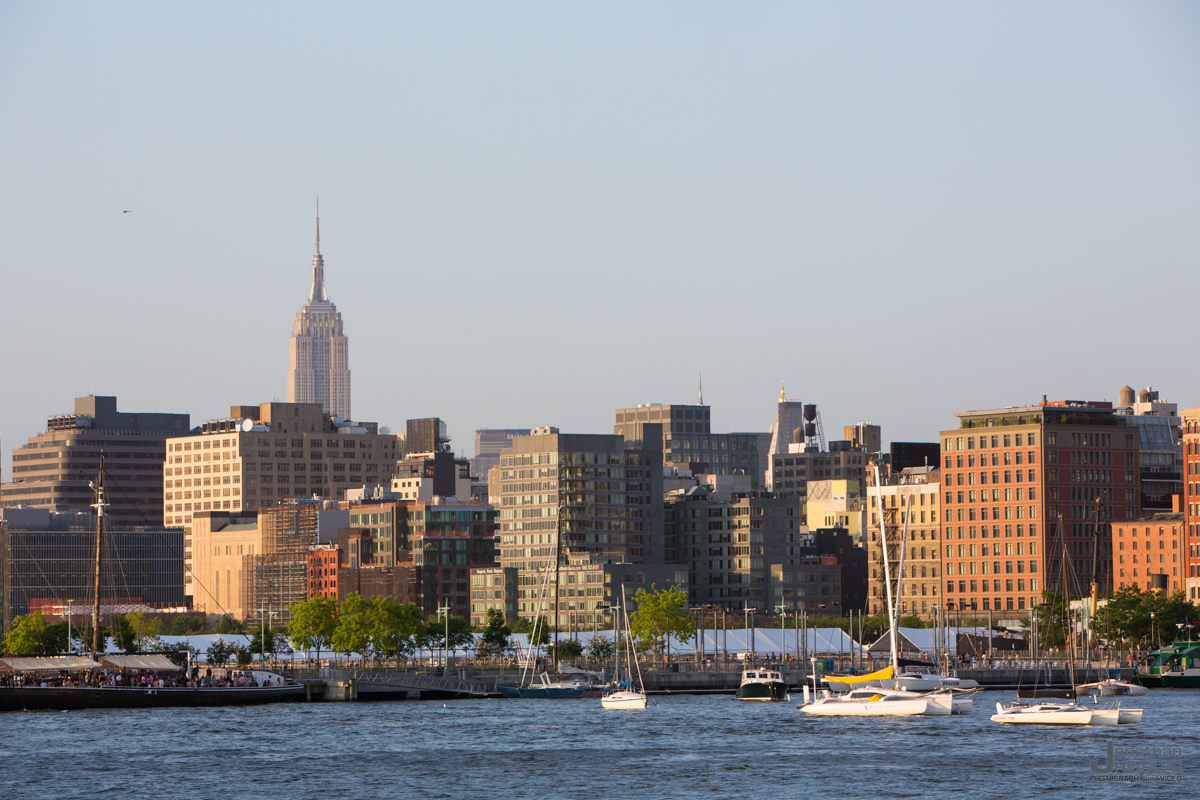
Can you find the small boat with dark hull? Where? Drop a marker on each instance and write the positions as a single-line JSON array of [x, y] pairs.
[[762, 684]]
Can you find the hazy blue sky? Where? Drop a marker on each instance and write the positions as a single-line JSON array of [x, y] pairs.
[[534, 213]]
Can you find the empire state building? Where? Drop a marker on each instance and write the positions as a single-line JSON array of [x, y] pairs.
[[319, 350]]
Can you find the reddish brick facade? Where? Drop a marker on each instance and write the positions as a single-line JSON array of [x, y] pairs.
[[1009, 475]]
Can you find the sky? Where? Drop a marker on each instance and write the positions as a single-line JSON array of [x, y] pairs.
[[536, 213]]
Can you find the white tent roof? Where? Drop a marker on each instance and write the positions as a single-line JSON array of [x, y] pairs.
[[922, 640], [33, 664]]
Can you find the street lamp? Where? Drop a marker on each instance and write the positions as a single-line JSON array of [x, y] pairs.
[[264, 612], [444, 612], [70, 613], [782, 609], [601, 608]]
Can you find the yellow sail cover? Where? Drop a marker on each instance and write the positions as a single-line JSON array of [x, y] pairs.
[[854, 681]]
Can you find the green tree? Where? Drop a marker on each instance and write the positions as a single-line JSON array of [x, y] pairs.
[[269, 641], [539, 633], [227, 624], [313, 624], [220, 651], [31, 635], [244, 657], [1052, 621], [602, 649], [353, 632], [178, 652], [123, 633], [496, 639], [568, 649], [186, 624], [146, 630], [1132, 617], [396, 629], [660, 614], [460, 633]]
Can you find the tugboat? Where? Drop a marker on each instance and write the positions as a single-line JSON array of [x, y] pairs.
[[762, 684]]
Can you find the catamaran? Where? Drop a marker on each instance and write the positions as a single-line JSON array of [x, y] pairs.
[[871, 695], [1071, 713]]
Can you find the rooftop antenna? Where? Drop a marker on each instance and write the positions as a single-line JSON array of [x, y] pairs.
[[318, 240], [701, 401]]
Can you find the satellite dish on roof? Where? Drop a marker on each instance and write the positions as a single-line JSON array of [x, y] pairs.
[[247, 425], [385, 431]]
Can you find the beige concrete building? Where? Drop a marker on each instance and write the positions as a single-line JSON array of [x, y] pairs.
[[266, 454], [836, 503], [219, 542], [913, 497]]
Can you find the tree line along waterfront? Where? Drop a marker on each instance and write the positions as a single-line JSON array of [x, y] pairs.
[[383, 630]]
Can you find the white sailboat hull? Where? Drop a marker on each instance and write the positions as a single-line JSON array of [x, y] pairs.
[[1129, 716], [624, 700], [848, 708], [1042, 714]]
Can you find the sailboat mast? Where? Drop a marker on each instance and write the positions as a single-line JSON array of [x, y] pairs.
[[887, 574], [99, 505]]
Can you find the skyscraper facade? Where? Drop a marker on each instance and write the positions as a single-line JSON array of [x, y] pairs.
[[319, 350]]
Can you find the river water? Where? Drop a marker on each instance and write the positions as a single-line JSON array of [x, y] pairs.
[[682, 746]]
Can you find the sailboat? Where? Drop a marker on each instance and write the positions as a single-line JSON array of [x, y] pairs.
[[1047, 713], [623, 696], [78, 682], [870, 695], [542, 687]]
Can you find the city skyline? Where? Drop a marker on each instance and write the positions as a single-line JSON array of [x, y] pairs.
[[917, 186]]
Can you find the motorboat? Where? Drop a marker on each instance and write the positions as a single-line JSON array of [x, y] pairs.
[[762, 684], [1176, 666]]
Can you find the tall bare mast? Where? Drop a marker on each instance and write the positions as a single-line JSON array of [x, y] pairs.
[[100, 504]]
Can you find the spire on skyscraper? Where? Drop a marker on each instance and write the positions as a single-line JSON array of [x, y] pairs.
[[317, 293], [701, 401]]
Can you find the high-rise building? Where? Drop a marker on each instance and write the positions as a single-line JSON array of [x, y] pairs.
[[319, 350], [912, 499], [1190, 501], [1151, 554], [789, 415], [54, 469], [428, 435], [47, 565], [729, 544], [263, 454], [866, 436], [1161, 458], [601, 497], [489, 444], [684, 436], [1020, 486], [797, 468]]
